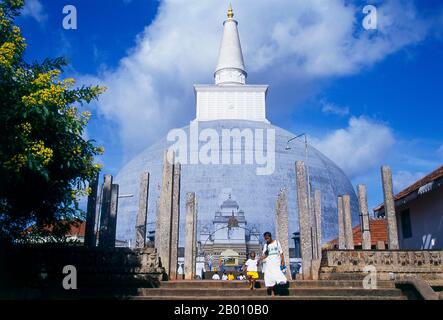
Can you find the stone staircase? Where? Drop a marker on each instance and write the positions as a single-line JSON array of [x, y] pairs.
[[295, 290]]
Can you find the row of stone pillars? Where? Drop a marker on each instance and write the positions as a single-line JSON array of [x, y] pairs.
[[168, 219], [102, 212], [102, 209], [345, 234], [310, 222], [103, 206]]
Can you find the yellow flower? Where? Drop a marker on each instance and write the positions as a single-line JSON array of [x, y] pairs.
[[44, 79], [75, 194], [38, 150], [47, 96], [72, 112], [16, 163], [25, 127], [7, 53], [100, 150], [16, 4], [77, 150], [98, 166], [13, 46], [86, 114], [69, 82], [4, 23]]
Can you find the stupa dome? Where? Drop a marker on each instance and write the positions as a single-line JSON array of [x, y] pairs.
[[255, 194]]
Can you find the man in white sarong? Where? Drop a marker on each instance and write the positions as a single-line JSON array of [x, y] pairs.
[[273, 262]]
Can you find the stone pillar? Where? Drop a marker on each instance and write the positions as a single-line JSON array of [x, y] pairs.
[[163, 230], [341, 224], [282, 227], [381, 245], [304, 220], [390, 208], [364, 217], [190, 236], [98, 208], [164, 210], [105, 212], [311, 211], [194, 243], [175, 221], [317, 213], [349, 237], [90, 213], [113, 216], [140, 225]]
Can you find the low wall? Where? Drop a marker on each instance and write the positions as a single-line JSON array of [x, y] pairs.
[[424, 263], [39, 269]]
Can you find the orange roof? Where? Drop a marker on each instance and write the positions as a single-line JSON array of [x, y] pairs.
[[434, 175], [379, 232], [76, 228]]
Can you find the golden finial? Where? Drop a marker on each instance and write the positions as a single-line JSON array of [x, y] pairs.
[[230, 12]]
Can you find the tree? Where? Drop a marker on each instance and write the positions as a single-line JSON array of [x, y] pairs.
[[45, 162]]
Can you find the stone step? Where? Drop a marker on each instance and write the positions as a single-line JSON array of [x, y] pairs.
[[352, 276], [223, 292], [260, 284], [117, 280], [178, 294], [267, 298]]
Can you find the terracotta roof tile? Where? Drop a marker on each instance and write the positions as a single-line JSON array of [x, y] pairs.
[[379, 232], [77, 228]]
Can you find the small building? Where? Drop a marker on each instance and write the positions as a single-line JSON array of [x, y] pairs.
[[73, 233], [419, 210], [229, 239], [63, 231]]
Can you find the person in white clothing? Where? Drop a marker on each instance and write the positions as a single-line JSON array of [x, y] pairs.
[[215, 276], [273, 262], [251, 267]]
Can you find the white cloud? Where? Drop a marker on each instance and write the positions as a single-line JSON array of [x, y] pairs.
[[286, 43], [332, 108], [360, 147], [440, 151], [34, 9], [403, 179]]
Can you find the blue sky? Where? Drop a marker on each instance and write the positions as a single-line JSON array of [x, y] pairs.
[[365, 97]]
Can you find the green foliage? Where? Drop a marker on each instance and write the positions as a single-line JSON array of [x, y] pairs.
[[45, 162]]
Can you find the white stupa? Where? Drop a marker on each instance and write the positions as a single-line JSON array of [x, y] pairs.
[[229, 104]]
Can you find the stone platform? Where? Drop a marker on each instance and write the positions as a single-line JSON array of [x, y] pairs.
[[295, 290]]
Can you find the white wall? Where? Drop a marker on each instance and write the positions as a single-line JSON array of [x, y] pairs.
[[426, 213], [231, 102]]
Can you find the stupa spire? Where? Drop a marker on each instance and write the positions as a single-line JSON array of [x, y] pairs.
[[230, 68], [230, 12]]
